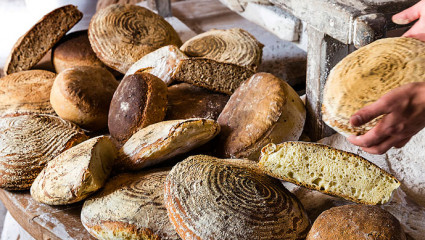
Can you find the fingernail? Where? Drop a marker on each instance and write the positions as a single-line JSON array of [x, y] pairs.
[[400, 21]]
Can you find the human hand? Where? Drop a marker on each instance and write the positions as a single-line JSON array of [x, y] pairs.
[[409, 15], [404, 116]]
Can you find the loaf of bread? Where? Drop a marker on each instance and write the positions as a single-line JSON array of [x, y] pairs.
[[161, 141], [76, 173], [211, 198], [82, 95], [35, 43], [203, 103], [26, 92], [356, 222], [130, 206], [161, 63], [122, 34], [140, 100], [365, 75], [104, 3], [28, 142], [328, 170], [264, 109], [234, 45]]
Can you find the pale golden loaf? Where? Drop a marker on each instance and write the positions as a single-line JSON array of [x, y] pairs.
[[365, 75], [76, 173], [328, 170]]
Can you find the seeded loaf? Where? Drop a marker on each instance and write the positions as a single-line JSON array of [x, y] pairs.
[[130, 206], [140, 100], [35, 43], [211, 198], [164, 140], [264, 109], [122, 34], [76, 173], [26, 92], [83, 94], [234, 45], [356, 222], [28, 142], [365, 75], [203, 103], [161, 63], [328, 170]]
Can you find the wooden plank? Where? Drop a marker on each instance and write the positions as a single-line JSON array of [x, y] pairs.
[[162, 6]]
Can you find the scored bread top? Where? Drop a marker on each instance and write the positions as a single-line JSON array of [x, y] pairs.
[[35, 43], [365, 75], [122, 34], [234, 45]]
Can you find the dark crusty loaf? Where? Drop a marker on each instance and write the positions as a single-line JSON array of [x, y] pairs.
[[130, 206], [35, 43], [356, 222], [211, 198], [28, 142], [140, 100]]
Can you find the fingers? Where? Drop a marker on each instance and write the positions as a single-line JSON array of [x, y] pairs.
[[369, 113], [417, 30], [386, 145], [402, 143], [369, 139], [409, 15]]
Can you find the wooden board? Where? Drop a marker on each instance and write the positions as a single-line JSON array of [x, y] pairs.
[[43, 221]]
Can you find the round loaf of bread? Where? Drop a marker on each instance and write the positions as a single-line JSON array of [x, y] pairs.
[[28, 142], [203, 103], [211, 198], [104, 3], [34, 44], [82, 95], [122, 34], [76, 173], [356, 222], [26, 92], [140, 100], [234, 45], [130, 206], [365, 75], [264, 109]]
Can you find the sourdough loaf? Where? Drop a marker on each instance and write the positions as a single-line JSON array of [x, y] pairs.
[[35, 43], [26, 92], [122, 34], [234, 45], [104, 3], [130, 206], [76, 173], [211, 198], [83, 94], [328, 170], [365, 75], [28, 142], [161, 141], [264, 109], [140, 100]]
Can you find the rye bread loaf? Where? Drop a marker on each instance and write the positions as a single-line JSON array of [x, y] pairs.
[[76, 173], [161, 63], [211, 198], [264, 109], [356, 222], [140, 100], [26, 92], [28, 142], [161, 141], [122, 34], [203, 103], [234, 45], [130, 206], [365, 75], [35, 43], [328, 170], [83, 94]]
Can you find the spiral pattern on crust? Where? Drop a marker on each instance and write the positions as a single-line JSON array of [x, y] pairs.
[[234, 200], [122, 34]]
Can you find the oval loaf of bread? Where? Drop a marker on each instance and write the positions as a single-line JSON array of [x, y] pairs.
[[211, 198], [28, 142], [76, 173]]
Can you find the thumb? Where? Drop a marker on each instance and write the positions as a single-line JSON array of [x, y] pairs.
[[409, 15]]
